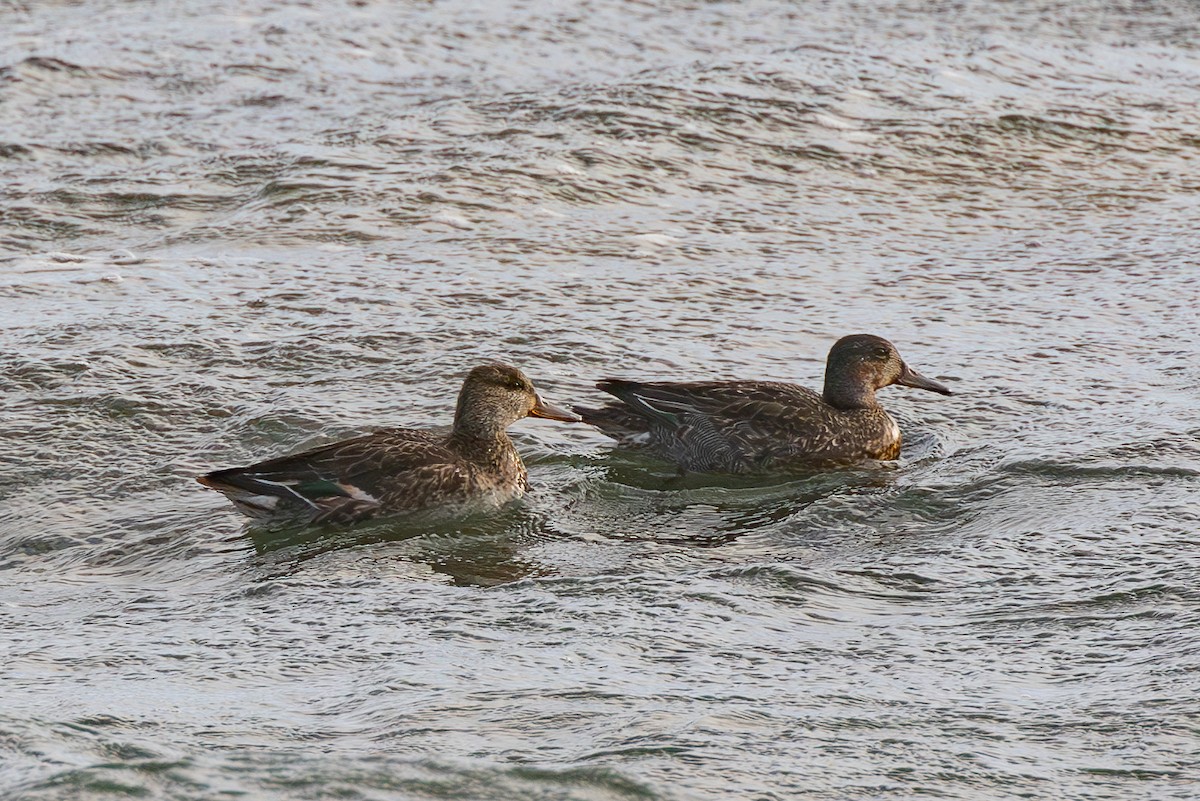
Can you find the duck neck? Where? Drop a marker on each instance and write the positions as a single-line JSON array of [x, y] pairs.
[[848, 392], [479, 433], [474, 423]]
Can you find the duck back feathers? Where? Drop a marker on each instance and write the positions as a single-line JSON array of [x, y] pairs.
[[738, 426]]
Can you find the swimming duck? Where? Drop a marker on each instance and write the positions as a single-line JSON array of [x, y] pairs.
[[400, 469], [752, 426]]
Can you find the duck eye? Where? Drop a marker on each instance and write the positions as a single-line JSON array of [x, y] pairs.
[[881, 353]]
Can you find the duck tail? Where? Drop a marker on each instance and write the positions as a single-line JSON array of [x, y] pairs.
[[248, 496], [232, 479], [617, 421]]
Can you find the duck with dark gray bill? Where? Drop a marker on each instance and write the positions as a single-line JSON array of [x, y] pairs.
[[756, 426], [399, 470]]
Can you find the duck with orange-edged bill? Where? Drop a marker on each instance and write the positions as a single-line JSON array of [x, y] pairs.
[[757, 426], [400, 470]]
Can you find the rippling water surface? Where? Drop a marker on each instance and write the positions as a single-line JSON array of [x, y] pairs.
[[233, 229]]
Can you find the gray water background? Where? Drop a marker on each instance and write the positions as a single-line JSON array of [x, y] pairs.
[[229, 230]]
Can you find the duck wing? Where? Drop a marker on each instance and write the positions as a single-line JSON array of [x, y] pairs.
[[345, 481], [731, 426]]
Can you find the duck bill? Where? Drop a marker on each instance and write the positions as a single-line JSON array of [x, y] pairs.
[[543, 409], [911, 378]]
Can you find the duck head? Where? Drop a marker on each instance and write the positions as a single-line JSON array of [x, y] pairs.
[[494, 396], [859, 364]]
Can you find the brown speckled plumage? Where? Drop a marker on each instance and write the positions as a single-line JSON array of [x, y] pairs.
[[399, 470], [752, 426]]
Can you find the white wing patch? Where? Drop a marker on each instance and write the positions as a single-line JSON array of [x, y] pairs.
[[356, 494], [646, 402], [287, 486]]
